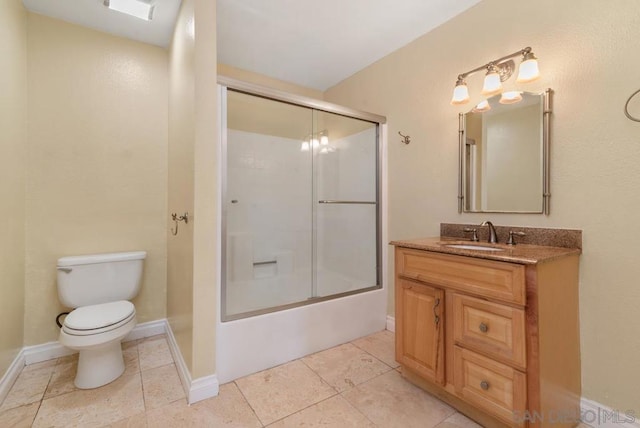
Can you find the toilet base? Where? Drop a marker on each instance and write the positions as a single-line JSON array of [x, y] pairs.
[[99, 366]]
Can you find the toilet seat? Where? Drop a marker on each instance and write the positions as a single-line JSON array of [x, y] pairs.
[[98, 319]]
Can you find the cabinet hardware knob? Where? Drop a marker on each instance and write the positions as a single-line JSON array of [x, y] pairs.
[[484, 385], [483, 327]]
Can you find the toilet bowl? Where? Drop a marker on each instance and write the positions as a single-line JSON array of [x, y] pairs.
[[98, 287], [96, 332]]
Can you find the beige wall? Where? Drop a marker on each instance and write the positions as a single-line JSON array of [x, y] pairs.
[[97, 161], [181, 167], [588, 53], [13, 138], [205, 241], [193, 160], [269, 82]]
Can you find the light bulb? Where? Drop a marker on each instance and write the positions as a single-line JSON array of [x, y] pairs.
[[324, 140], [528, 70], [492, 84], [460, 93]]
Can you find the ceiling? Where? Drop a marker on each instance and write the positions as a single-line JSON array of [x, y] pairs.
[[312, 43], [318, 43], [94, 14]]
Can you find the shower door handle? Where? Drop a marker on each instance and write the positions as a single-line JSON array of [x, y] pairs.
[[330, 201]]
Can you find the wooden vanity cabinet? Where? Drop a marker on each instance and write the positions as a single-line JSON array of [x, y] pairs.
[[497, 340], [420, 344]]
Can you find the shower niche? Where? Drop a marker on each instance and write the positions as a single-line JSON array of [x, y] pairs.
[[300, 204]]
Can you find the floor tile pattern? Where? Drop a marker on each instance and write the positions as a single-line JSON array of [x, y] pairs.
[[356, 384]]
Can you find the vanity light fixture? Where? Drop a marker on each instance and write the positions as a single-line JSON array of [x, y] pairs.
[[138, 8], [498, 71]]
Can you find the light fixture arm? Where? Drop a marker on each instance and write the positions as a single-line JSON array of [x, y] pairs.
[[495, 62]]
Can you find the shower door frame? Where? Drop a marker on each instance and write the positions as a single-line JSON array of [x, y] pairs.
[[323, 106]]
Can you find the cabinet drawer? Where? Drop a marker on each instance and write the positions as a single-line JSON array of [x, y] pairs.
[[497, 388], [488, 278], [491, 328]]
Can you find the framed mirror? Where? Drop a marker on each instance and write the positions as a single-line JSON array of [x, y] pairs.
[[504, 155]]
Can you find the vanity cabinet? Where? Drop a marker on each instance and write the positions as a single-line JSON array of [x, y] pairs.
[[497, 340]]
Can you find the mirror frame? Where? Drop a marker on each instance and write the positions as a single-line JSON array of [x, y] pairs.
[[546, 141]]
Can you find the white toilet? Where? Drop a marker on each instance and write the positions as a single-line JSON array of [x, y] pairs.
[[99, 286]]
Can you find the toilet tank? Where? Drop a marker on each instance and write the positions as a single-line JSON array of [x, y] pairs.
[[99, 278]]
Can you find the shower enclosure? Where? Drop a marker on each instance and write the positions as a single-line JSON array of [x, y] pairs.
[[302, 225], [300, 205]]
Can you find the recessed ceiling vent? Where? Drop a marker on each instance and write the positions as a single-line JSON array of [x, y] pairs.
[[138, 8]]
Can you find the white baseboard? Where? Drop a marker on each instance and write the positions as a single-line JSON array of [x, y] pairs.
[[48, 351], [195, 389], [598, 415], [181, 366], [203, 388], [44, 352], [147, 329], [391, 323], [11, 375]]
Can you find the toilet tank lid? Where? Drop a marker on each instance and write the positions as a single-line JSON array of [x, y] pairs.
[[101, 258]]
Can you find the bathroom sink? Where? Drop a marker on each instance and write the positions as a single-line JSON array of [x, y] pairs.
[[473, 247]]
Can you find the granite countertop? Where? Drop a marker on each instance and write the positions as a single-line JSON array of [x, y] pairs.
[[522, 253]]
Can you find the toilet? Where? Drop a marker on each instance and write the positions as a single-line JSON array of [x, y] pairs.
[[99, 287]]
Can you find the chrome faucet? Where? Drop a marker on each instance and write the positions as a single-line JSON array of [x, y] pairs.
[[493, 238]]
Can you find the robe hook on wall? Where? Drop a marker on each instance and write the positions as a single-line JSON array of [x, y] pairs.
[[176, 219], [405, 138]]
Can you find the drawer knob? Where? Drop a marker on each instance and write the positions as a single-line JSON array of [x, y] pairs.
[[483, 327], [484, 385]]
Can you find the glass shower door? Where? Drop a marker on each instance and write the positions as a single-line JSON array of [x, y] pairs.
[[300, 205], [268, 205], [346, 198]]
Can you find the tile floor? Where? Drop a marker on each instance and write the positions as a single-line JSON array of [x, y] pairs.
[[351, 385]]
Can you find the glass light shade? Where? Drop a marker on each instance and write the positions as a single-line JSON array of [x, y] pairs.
[[482, 107], [528, 70], [139, 9], [315, 143], [510, 97], [492, 84], [305, 146], [460, 94], [324, 140]]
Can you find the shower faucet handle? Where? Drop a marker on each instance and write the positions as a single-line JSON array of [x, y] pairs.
[[474, 237]]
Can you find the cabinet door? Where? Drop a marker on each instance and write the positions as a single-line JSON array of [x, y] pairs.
[[419, 329]]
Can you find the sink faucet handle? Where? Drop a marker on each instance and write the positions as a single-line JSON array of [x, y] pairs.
[[474, 237], [512, 241]]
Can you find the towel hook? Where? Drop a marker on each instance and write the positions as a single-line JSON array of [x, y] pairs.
[[626, 107], [176, 219], [405, 138]]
